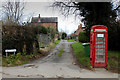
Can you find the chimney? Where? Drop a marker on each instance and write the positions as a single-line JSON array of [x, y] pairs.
[[80, 26], [39, 18]]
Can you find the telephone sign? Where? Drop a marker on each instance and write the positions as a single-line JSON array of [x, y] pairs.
[[98, 46], [100, 35]]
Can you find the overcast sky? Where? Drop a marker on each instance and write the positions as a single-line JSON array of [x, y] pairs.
[[35, 7], [67, 24]]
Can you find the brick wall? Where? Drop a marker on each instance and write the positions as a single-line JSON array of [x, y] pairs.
[[79, 29], [51, 25]]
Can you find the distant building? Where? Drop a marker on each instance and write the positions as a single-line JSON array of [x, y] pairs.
[[76, 33], [51, 22]]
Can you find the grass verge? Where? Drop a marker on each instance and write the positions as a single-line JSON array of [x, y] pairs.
[[19, 59], [70, 40], [55, 43], [79, 52], [60, 53], [113, 61]]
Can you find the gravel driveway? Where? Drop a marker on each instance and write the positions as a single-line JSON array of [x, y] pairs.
[[53, 66]]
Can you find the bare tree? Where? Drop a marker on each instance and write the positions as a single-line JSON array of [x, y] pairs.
[[29, 16], [116, 4], [67, 8], [13, 10], [118, 10]]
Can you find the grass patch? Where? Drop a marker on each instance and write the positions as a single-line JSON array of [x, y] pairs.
[[19, 59], [50, 46], [79, 52], [55, 43], [70, 40], [60, 53], [113, 61]]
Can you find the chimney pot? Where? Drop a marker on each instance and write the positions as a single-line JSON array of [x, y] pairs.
[[39, 18]]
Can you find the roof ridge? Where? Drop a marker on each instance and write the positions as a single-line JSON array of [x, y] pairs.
[[45, 19]]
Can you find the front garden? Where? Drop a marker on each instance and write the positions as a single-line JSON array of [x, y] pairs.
[[112, 63], [25, 39], [23, 58]]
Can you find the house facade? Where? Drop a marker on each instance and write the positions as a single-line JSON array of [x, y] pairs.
[[51, 22], [76, 33]]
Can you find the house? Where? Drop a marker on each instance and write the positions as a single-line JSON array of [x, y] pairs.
[[51, 22], [76, 33]]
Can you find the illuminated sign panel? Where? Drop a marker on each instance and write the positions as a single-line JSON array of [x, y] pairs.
[[100, 35], [100, 29]]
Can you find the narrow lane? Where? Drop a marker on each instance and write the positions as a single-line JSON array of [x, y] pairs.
[[53, 66]]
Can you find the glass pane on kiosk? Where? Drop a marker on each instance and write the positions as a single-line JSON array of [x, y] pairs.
[[100, 49]]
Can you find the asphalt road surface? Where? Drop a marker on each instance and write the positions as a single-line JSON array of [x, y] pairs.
[[53, 66]]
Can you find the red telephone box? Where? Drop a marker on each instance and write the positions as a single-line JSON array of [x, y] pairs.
[[98, 46]]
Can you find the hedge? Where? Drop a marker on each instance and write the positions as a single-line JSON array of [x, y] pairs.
[[82, 37]]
